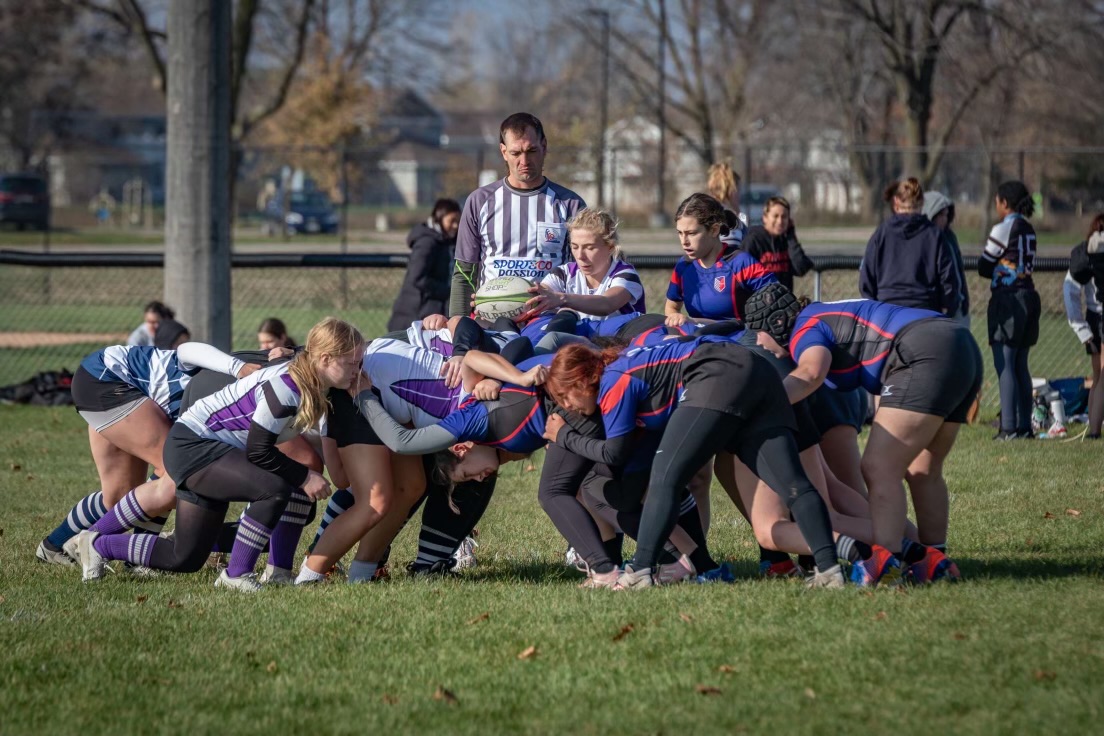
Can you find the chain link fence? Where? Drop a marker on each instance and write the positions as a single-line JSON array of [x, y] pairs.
[[55, 309]]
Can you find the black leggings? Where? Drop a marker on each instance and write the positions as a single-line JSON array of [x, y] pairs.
[[230, 478], [694, 435], [1015, 386], [561, 477]]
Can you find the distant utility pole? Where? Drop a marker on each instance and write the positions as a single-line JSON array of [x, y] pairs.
[[659, 217], [603, 120], [197, 187]]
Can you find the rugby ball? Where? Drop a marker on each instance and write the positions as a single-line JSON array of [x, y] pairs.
[[502, 297]]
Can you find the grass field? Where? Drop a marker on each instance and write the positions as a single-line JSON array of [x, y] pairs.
[[1017, 648]]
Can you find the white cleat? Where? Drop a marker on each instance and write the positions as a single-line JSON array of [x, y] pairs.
[[465, 554], [247, 583], [92, 564], [830, 578], [676, 572], [51, 555], [277, 576]]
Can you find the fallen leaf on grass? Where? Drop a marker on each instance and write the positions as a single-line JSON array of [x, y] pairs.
[[1002, 459], [481, 617], [1, 599], [530, 468], [271, 667], [528, 653], [625, 631], [726, 669], [1045, 675], [1030, 541], [686, 617], [1072, 512], [1048, 515], [175, 604], [446, 696], [30, 477], [141, 598], [959, 636], [389, 699], [16, 467], [881, 616], [707, 689], [810, 693]]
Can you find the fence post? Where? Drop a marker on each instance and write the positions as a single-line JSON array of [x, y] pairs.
[[344, 277], [816, 286]]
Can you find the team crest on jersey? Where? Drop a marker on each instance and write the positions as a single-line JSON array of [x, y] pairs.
[[719, 283]]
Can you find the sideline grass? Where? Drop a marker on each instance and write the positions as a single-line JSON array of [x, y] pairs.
[[1018, 648]]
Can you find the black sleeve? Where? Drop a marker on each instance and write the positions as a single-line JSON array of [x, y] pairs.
[[800, 262], [950, 296], [518, 350], [986, 267], [1080, 267], [754, 241], [461, 295], [469, 336], [419, 266], [615, 452], [260, 445]]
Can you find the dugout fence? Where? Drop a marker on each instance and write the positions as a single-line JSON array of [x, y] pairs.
[[55, 308]]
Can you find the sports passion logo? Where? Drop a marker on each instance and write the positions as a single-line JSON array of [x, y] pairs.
[[523, 267]]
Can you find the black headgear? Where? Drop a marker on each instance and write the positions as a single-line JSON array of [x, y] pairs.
[[773, 309], [167, 332]]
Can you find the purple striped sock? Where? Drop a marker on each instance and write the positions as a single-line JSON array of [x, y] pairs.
[[135, 549], [123, 516], [251, 540], [283, 543]]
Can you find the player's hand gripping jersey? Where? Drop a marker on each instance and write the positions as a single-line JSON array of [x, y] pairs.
[[570, 280]]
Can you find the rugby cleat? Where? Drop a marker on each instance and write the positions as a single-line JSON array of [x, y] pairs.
[[438, 568], [631, 579], [277, 576], [721, 574], [52, 555], [464, 556], [785, 569], [829, 579], [935, 567], [596, 580], [93, 565], [247, 583], [675, 572], [881, 568]]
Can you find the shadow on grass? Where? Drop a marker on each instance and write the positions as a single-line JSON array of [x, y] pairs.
[[1019, 569]]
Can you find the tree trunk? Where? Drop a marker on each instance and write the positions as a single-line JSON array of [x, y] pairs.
[[197, 190]]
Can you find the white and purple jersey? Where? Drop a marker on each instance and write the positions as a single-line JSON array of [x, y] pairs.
[[570, 280], [512, 232], [162, 375], [408, 379], [267, 398], [439, 341]]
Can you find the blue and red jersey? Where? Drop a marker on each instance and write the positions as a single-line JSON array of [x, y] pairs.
[[514, 422], [641, 388], [718, 292], [858, 332]]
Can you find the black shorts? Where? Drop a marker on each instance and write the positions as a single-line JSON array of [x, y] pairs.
[[636, 327], [1092, 347], [92, 394], [1014, 317], [831, 408], [185, 453], [934, 367], [345, 425], [731, 379], [807, 433]]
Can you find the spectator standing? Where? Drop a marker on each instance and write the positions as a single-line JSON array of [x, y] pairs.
[[907, 261], [1081, 286], [144, 333], [775, 244], [1014, 307], [426, 286], [516, 226], [723, 184], [941, 211]]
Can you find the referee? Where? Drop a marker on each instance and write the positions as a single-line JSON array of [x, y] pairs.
[[515, 226]]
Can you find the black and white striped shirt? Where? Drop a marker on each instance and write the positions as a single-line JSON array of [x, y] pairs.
[[512, 232]]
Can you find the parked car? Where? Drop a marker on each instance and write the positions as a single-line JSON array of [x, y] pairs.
[[752, 199], [24, 200], [307, 212]]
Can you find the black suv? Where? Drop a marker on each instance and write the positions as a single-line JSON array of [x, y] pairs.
[[24, 200]]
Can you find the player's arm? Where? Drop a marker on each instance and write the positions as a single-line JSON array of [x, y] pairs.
[[812, 369], [489, 365], [201, 355], [399, 438]]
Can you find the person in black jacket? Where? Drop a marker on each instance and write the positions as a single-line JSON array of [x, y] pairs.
[[775, 244], [425, 289], [907, 261]]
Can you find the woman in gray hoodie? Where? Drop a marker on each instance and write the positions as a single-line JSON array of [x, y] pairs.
[[939, 208]]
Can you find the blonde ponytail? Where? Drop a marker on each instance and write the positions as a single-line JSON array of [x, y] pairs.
[[333, 337]]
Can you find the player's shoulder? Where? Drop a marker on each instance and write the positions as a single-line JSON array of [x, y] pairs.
[[565, 194]]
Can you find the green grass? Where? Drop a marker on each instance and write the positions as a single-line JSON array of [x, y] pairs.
[[1018, 647]]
